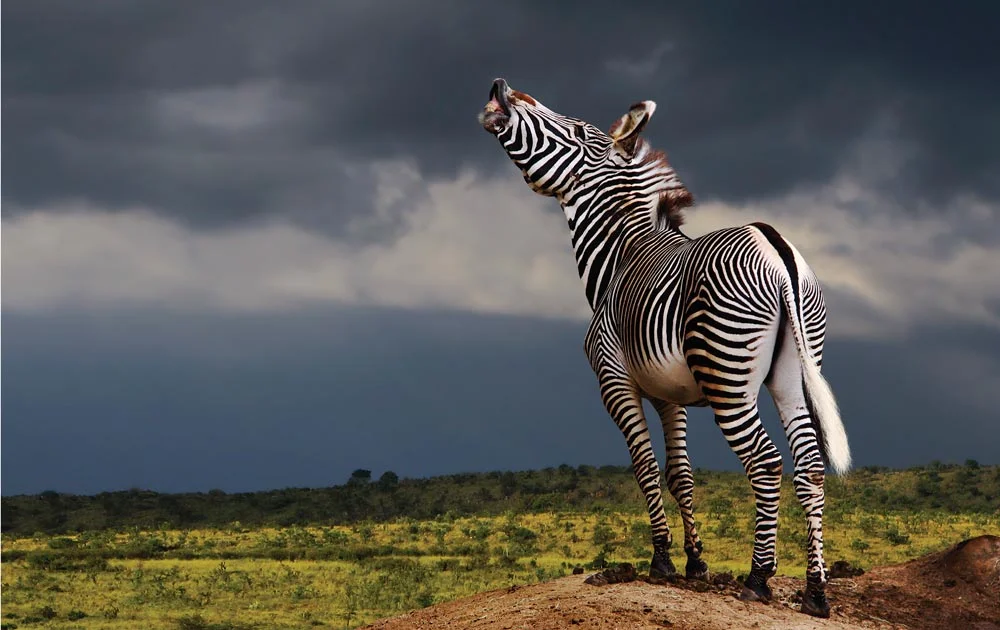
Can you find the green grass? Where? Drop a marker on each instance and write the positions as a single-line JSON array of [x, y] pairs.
[[206, 577], [343, 574]]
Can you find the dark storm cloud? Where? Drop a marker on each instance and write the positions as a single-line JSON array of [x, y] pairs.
[[192, 402], [755, 99]]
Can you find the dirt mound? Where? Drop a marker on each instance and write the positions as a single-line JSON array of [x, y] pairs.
[[977, 562], [956, 588]]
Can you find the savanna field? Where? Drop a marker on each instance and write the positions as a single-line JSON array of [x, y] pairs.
[[343, 556]]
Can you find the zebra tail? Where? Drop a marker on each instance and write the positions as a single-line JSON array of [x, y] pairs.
[[822, 404]]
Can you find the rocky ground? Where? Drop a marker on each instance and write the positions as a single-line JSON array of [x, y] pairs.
[[955, 588]]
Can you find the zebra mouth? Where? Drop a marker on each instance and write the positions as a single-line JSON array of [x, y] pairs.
[[496, 113]]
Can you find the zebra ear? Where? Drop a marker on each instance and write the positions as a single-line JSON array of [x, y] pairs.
[[625, 131]]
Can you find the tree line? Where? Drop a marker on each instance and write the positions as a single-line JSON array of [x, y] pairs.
[[944, 487]]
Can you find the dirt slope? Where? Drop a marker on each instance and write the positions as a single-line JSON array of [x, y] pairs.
[[956, 588]]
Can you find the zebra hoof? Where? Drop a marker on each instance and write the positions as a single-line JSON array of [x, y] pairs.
[[696, 569], [814, 601], [662, 567], [755, 588], [756, 595]]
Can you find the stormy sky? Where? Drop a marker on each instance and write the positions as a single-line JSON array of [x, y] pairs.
[[256, 244]]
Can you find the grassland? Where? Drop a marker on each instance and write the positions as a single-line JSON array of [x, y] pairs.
[[344, 574]]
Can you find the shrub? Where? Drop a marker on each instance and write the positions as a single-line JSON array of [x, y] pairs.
[[600, 561], [602, 534], [61, 542], [895, 537], [388, 481], [729, 527]]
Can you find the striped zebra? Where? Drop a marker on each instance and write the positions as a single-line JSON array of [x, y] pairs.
[[686, 322]]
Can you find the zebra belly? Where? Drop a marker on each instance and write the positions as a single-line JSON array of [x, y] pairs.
[[669, 379]]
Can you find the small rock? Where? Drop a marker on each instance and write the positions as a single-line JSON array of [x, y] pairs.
[[723, 579], [597, 579], [843, 569], [623, 572], [698, 586], [577, 570]]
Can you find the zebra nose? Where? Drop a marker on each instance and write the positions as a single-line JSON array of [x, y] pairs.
[[499, 90]]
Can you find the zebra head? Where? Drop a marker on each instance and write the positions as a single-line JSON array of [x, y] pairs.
[[555, 151], [559, 155]]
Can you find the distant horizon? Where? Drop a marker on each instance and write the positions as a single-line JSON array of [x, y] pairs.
[[375, 475]]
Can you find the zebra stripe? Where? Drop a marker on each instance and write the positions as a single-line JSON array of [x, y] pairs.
[[683, 322]]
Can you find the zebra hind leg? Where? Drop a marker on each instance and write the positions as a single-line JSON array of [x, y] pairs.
[[722, 350], [785, 385], [680, 482], [623, 403], [809, 482], [740, 423]]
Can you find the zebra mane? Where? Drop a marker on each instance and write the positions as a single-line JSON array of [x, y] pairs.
[[669, 213]]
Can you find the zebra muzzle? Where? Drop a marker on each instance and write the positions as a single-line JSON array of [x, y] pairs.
[[496, 113]]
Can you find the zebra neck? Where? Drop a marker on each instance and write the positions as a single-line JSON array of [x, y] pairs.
[[600, 236]]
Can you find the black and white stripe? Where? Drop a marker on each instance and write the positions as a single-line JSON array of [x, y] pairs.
[[684, 322]]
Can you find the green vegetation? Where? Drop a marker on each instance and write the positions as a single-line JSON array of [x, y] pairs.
[[344, 556], [967, 488]]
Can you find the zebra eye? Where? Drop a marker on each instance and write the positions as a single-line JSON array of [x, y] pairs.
[[580, 131]]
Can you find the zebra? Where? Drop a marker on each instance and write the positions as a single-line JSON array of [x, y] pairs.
[[686, 322]]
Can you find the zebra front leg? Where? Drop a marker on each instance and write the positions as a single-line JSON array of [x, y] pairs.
[[621, 399], [680, 482]]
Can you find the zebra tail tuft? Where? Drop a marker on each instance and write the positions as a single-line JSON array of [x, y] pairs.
[[832, 436], [822, 404]]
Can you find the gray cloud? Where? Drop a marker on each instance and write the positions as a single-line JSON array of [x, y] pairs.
[[107, 101], [204, 201], [484, 245]]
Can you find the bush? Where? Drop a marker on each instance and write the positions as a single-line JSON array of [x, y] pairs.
[[729, 527], [61, 542], [388, 481], [600, 561], [895, 537], [602, 534], [75, 615]]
